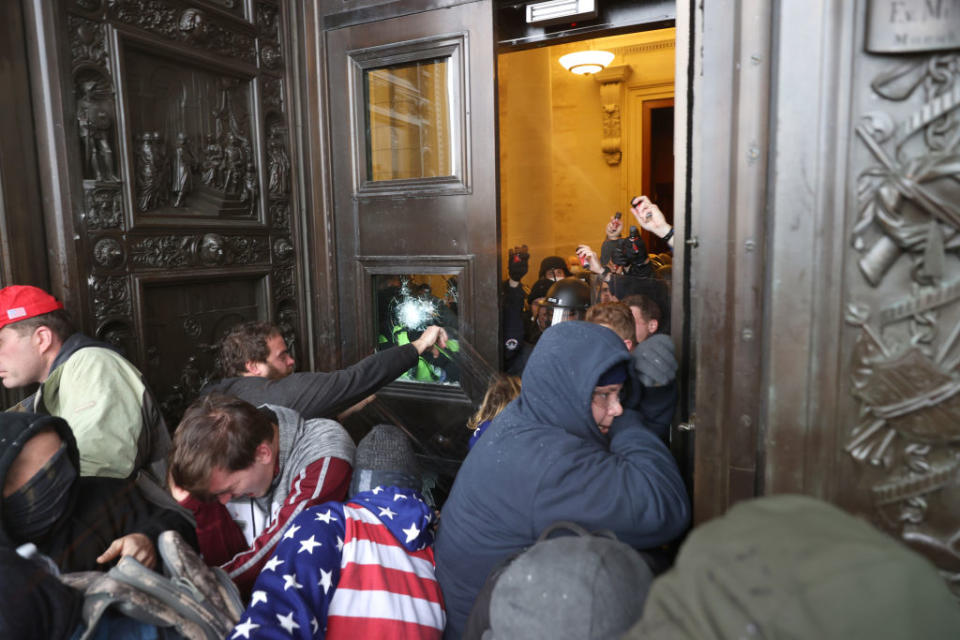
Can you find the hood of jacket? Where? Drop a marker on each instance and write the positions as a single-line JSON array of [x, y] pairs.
[[16, 428], [402, 511], [560, 377], [73, 344]]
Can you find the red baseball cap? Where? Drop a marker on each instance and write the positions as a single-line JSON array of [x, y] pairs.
[[19, 302]]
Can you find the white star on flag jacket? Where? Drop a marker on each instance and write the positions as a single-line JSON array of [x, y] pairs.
[[360, 569]]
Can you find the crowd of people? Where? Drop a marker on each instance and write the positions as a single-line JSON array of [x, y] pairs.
[[262, 518]]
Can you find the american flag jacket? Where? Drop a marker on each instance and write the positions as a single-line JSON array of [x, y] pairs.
[[360, 569]]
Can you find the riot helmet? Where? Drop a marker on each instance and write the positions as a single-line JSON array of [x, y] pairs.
[[567, 299]]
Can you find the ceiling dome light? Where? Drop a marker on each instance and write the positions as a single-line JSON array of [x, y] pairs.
[[586, 62]]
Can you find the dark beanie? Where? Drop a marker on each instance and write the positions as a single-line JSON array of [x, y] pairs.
[[617, 374], [385, 458]]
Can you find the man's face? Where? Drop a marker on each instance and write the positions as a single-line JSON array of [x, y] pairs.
[[605, 405], [645, 328], [279, 362], [35, 453], [21, 361], [555, 274], [252, 482], [605, 295]]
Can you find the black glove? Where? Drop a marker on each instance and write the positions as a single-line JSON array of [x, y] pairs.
[[518, 261], [654, 361]]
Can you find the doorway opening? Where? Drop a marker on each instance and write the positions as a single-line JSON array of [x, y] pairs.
[[574, 149]]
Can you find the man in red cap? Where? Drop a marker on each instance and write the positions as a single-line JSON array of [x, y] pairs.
[[115, 420]]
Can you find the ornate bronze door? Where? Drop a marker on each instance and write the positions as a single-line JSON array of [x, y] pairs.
[[164, 130], [415, 203]]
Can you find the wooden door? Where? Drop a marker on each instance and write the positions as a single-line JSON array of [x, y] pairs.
[[413, 148]]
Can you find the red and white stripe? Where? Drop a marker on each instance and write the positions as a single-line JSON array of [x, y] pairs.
[[384, 591]]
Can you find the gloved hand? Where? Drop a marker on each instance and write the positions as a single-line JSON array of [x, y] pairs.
[[654, 361], [518, 262]]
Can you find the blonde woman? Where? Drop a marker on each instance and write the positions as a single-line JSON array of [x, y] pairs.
[[502, 390]]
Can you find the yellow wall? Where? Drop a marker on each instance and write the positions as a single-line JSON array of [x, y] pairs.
[[556, 188]]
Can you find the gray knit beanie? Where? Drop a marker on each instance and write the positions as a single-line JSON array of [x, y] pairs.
[[385, 458]]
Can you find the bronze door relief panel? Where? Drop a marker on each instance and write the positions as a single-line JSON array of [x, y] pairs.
[[902, 275], [186, 224]]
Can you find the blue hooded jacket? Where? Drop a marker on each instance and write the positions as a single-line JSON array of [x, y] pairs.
[[543, 459]]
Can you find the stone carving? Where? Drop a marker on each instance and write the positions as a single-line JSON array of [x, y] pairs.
[[283, 249], [904, 365], [95, 121], [86, 43], [211, 249], [111, 296], [610, 145], [612, 80], [108, 253], [192, 26], [103, 208]]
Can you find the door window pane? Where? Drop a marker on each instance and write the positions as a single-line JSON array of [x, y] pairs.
[[408, 120], [406, 304]]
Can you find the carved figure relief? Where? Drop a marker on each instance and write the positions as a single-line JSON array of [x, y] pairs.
[[193, 143], [267, 20], [271, 58], [108, 253], [211, 249], [193, 26], [103, 208], [280, 214], [279, 163], [905, 365], [168, 20], [184, 166], [272, 93], [283, 284], [251, 188], [185, 148], [95, 121], [110, 296], [283, 249], [86, 43], [152, 172]]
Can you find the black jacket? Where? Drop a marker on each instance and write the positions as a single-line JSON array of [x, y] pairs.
[[322, 394], [99, 510], [543, 459]]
